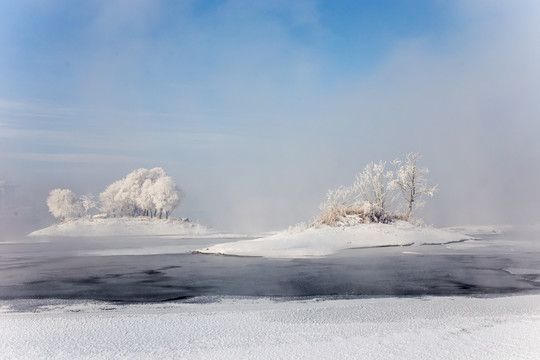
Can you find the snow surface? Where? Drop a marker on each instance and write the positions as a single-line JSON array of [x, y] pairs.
[[375, 328], [141, 226], [326, 240]]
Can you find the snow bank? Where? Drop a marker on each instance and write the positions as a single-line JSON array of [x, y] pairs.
[[142, 226], [377, 328], [326, 240]]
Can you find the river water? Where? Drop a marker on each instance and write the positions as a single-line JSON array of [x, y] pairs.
[[141, 269]]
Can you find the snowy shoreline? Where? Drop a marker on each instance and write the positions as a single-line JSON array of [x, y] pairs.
[[326, 240], [124, 226], [375, 328], [296, 242]]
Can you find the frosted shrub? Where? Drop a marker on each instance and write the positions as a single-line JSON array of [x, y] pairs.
[[338, 203], [374, 194], [297, 228], [368, 200], [376, 214]]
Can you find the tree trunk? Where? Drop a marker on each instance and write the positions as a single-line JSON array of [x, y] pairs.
[[409, 210]]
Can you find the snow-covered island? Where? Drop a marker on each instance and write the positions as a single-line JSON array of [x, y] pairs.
[[375, 211], [138, 205], [125, 226], [327, 240]]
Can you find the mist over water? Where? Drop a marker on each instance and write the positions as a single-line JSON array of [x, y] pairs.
[[162, 268]]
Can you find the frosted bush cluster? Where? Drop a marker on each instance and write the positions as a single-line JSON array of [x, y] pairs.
[[142, 192], [378, 195]]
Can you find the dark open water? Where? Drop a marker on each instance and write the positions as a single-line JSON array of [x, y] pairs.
[[84, 268]]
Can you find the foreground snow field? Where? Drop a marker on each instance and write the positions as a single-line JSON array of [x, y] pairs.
[[141, 226], [326, 240], [236, 328]]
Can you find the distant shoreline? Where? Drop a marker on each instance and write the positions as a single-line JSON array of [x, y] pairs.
[[124, 226]]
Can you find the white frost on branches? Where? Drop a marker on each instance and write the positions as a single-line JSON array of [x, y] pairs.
[[111, 201], [63, 204], [369, 199], [142, 192], [374, 187], [166, 195], [87, 203], [412, 183], [374, 194], [338, 204]]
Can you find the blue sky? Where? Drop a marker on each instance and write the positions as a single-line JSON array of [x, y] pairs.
[[188, 43], [257, 108]]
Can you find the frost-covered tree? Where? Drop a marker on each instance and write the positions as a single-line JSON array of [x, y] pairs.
[[63, 203], [146, 201], [411, 181], [110, 202], [130, 192], [375, 193], [166, 195], [142, 192], [87, 203]]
